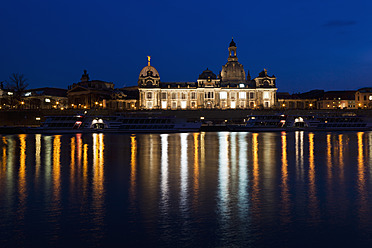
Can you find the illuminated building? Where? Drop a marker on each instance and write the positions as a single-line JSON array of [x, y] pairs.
[[231, 89]]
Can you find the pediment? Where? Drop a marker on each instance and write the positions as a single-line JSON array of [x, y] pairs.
[[78, 89]]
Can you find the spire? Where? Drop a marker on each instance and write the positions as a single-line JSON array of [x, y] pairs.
[[232, 43], [148, 60], [249, 76]]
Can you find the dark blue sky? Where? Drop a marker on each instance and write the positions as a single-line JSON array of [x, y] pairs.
[[316, 44]]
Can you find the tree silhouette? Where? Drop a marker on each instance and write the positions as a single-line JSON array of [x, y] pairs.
[[18, 85]]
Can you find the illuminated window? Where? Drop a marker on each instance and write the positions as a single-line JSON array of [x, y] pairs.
[[149, 105], [233, 95], [193, 95], [174, 105], [232, 105], [174, 95], [266, 95], [370, 97], [208, 94], [242, 95], [164, 95], [183, 104], [149, 95], [193, 104], [183, 95], [241, 85], [223, 95], [164, 104], [47, 100]]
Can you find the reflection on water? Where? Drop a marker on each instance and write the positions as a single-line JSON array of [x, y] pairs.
[[188, 189]]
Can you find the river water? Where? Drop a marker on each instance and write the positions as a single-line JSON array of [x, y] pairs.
[[218, 189]]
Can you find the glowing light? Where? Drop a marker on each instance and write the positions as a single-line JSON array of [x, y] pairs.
[[163, 104], [38, 118], [233, 105], [223, 95], [183, 104], [47, 100]]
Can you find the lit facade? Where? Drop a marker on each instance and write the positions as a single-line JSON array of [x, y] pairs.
[[231, 89]]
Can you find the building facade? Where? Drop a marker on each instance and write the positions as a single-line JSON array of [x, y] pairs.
[[231, 89], [363, 98]]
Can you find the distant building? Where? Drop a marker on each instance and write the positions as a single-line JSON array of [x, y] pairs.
[[124, 99], [45, 98], [230, 90], [337, 100], [89, 93], [363, 98], [307, 100]]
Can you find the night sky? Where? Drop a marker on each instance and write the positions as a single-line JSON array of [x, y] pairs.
[[316, 44]]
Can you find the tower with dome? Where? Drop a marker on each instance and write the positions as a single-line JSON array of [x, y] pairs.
[[231, 89]]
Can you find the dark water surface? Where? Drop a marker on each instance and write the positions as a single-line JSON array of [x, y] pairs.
[[221, 189]]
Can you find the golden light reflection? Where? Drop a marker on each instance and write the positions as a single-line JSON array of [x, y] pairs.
[[202, 149], [329, 158], [57, 167], [341, 155], [285, 191], [133, 164], [313, 201], [85, 168], [22, 176], [98, 174], [3, 164], [256, 172], [72, 163], [361, 179], [37, 155], [79, 147]]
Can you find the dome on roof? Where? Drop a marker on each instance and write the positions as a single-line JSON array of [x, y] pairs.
[[207, 74], [149, 71]]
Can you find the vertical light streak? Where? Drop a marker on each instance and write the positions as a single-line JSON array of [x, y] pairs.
[[223, 179], [256, 173], [202, 149], [329, 158], [196, 167], [243, 176], [85, 169], [48, 160], [299, 143], [184, 171], [22, 187], [341, 155], [57, 169], [313, 201], [133, 167], [79, 147], [164, 174], [37, 155], [285, 212], [72, 163], [98, 177], [362, 211], [3, 164]]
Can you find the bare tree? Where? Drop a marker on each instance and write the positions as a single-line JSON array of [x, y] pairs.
[[18, 84]]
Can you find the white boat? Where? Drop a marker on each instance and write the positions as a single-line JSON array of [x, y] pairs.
[[262, 123], [115, 124]]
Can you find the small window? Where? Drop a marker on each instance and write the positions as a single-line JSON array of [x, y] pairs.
[[174, 95], [183, 95], [193, 95], [251, 95], [242, 95], [149, 95], [164, 95]]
